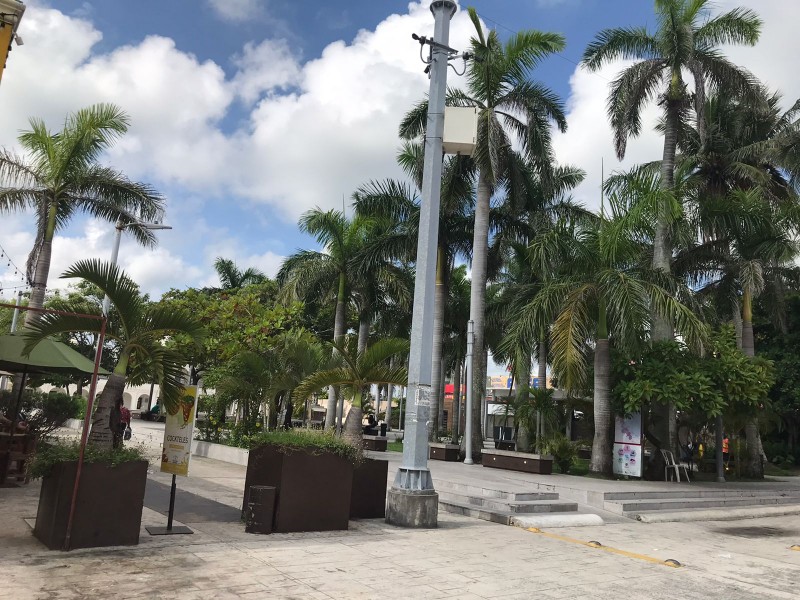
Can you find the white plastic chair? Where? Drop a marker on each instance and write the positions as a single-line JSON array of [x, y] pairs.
[[669, 463]]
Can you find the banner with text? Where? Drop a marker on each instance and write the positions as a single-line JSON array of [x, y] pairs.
[[178, 433]]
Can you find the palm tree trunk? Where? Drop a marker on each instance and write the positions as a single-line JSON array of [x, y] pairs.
[[663, 423], [338, 335], [363, 332], [352, 428], [477, 306], [456, 418], [755, 464], [523, 378], [601, 446], [389, 394], [542, 377], [440, 298], [42, 272], [106, 413]]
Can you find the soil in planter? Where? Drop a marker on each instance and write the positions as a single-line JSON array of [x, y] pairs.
[[108, 511]]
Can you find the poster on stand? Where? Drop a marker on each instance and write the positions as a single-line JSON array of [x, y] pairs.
[[178, 432], [628, 449]]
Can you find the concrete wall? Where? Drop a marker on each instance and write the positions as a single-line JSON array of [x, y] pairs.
[[237, 456]]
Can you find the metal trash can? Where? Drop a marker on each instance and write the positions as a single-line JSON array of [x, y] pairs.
[[260, 509], [383, 429]]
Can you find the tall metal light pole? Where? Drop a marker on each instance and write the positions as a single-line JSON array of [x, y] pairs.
[[412, 501], [115, 250], [468, 409]]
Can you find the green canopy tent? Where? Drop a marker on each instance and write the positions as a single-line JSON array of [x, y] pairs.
[[48, 356]]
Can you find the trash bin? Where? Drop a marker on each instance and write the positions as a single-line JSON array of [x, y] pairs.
[[383, 429], [260, 509]]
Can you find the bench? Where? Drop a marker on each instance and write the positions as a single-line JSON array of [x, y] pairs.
[[442, 451], [518, 461], [376, 443], [505, 445]]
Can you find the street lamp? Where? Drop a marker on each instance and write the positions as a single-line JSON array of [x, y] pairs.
[[10, 15], [118, 239]]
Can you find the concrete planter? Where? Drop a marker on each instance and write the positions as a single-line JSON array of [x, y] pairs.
[[109, 507], [313, 490], [230, 454], [368, 497]]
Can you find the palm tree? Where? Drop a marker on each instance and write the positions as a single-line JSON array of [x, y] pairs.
[[511, 108], [686, 41], [356, 371], [139, 331], [605, 296], [746, 212], [394, 202], [233, 278], [61, 176], [311, 273]]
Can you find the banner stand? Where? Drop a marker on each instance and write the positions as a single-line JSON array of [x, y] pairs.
[[169, 529], [176, 454]]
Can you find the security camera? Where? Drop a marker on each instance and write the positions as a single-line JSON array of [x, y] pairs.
[[18, 39]]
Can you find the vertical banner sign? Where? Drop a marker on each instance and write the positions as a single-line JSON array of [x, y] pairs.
[[178, 434], [628, 447]]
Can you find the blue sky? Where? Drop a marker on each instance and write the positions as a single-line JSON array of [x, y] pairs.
[[245, 113]]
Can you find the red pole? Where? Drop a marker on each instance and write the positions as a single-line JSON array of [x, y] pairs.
[[84, 435]]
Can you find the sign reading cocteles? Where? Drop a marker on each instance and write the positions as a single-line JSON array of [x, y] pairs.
[[177, 447]]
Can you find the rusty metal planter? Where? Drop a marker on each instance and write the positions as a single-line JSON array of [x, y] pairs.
[[368, 498]]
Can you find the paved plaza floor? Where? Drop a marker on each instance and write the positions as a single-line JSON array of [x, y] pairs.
[[464, 558]]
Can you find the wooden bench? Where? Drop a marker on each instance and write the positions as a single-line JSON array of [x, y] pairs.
[[376, 443], [446, 452], [518, 461]]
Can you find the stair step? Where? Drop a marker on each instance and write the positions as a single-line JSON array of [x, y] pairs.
[[698, 493], [676, 504], [502, 516], [468, 489], [549, 503]]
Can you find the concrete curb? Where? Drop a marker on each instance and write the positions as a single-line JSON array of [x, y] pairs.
[[230, 454], [729, 514], [557, 520]]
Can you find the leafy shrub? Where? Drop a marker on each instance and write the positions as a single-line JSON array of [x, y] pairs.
[[777, 460], [315, 442], [44, 413], [49, 455], [564, 452], [789, 460]]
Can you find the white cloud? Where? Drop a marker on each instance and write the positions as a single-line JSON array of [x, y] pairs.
[[237, 10]]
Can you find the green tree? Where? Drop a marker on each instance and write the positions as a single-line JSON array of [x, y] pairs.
[[512, 108], [685, 41], [312, 273], [606, 297], [356, 371], [61, 176], [139, 331], [231, 277]]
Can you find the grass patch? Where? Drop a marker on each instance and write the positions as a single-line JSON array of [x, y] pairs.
[[580, 466], [396, 446], [782, 470], [315, 442]]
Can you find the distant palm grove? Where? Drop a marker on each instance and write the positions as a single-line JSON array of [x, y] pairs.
[[678, 299]]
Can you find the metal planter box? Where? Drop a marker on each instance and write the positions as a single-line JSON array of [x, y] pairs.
[[109, 507]]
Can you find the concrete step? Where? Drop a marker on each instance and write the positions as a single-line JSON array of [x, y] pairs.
[[469, 489], [504, 517], [686, 492], [548, 503], [676, 504]]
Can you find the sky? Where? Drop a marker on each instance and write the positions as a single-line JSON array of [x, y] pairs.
[[246, 113]]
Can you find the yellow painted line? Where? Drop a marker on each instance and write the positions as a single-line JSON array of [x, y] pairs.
[[598, 546]]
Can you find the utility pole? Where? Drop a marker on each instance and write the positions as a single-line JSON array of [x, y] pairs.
[[468, 409], [412, 501]]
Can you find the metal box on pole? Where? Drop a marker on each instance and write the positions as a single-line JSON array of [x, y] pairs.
[[460, 130]]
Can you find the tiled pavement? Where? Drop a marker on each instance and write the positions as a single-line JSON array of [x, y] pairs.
[[464, 558]]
